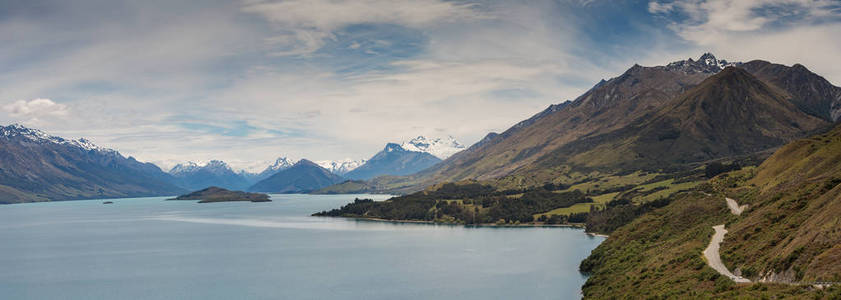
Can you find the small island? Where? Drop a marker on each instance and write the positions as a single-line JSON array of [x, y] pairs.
[[217, 194]]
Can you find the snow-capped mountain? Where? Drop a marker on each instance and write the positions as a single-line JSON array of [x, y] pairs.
[[183, 168], [217, 167], [280, 164], [36, 166], [393, 160], [707, 63], [193, 176], [440, 147], [38, 136], [340, 167]]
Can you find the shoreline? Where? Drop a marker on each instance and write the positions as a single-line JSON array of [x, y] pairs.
[[366, 219]]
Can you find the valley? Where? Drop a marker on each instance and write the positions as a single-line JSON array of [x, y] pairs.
[[656, 158], [420, 149]]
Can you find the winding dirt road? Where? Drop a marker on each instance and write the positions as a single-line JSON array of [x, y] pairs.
[[713, 256], [714, 259], [735, 208], [711, 253]]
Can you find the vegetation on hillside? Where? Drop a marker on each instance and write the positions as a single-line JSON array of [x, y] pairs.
[[789, 233], [603, 203], [471, 203]]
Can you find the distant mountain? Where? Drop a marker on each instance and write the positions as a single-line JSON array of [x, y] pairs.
[[192, 176], [393, 160], [282, 163], [439, 147], [341, 167], [304, 176], [35, 166]]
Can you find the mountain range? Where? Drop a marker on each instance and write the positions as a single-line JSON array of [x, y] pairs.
[[215, 173], [654, 157], [35, 166], [394, 160], [656, 119], [666, 160], [650, 118], [649, 123]]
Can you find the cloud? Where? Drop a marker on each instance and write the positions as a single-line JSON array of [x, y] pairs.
[[302, 26], [782, 31], [168, 83], [247, 81], [35, 108], [703, 21], [656, 7]]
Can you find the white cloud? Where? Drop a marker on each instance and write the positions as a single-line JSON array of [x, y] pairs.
[[472, 51], [656, 7], [35, 108], [303, 25], [135, 82]]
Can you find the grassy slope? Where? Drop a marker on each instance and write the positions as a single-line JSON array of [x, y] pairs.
[[347, 187], [598, 201], [791, 229], [794, 224], [659, 256]]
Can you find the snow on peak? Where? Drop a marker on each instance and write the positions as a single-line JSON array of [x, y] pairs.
[[281, 163], [710, 60], [187, 167], [441, 147], [391, 147], [213, 166], [217, 166], [340, 167], [38, 136], [707, 63]]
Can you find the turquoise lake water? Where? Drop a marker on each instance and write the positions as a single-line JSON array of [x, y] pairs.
[[147, 248]]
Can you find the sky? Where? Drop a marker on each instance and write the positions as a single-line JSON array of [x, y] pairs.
[[248, 81]]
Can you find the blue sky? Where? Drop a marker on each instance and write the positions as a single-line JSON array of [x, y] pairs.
[[247, 81]]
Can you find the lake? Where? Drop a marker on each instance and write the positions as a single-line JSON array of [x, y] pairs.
[[148, 248]]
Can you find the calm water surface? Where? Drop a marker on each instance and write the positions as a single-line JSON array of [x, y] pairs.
[[147, 248]]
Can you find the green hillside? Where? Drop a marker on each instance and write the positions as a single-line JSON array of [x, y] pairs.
[[789, 233]]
